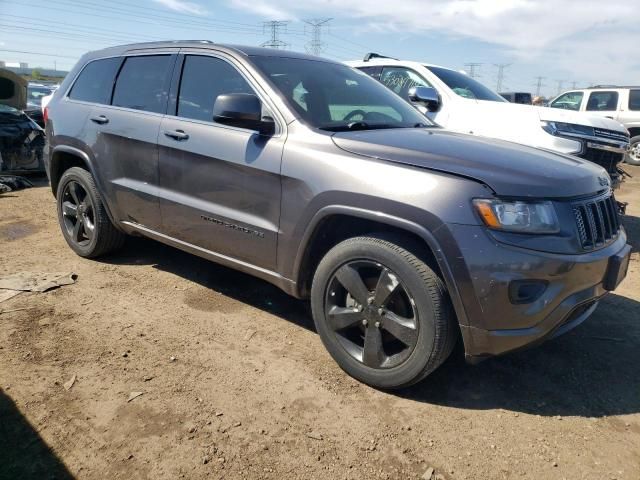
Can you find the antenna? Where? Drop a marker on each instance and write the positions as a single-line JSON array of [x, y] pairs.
[[274, 26], [316, 46]]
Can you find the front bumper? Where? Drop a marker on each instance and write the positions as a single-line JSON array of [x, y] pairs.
[[484, 269]]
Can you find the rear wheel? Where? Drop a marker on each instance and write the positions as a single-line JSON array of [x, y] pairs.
[[82, 216], [633, 155], [382, 313]]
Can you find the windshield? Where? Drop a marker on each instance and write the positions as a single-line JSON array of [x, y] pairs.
[[464, 85], [336, 97], [35, 94]]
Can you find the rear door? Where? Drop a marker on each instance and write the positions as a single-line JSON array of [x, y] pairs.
[[603, 103], [126, 135], [220, 185]]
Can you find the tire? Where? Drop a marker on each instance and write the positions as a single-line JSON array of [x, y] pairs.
[[418, 302], [82, 217], [633, 156]]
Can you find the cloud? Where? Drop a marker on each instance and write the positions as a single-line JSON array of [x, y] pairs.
[[574, 34], [182, 6]]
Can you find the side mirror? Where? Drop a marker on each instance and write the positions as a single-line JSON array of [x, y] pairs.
[[426, 96], [242, 110]]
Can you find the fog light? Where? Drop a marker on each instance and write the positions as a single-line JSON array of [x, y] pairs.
[[526, 291]]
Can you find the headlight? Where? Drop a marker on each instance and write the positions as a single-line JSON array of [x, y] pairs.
[[558, 128], [518, 216]]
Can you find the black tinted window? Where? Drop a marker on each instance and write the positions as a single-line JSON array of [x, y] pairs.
[[634, 99], [203, 79], [603, 101], [143, 83], [95, 82]]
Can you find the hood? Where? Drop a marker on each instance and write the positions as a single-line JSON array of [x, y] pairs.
[[13, 89], [508, 110], [508, 168]]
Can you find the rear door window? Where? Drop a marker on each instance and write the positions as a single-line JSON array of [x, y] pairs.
[[95, 82], [203, 79], [634, 100], [143, 83], [602, 101]]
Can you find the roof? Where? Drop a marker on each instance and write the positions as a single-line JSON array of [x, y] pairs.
[[245, 50]]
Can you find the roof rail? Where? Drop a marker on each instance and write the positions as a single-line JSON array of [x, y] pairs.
[[371, 55]]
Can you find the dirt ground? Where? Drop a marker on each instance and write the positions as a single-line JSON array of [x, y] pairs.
[[236, 384]]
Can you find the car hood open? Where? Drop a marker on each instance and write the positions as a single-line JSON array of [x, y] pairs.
[[508, 168]]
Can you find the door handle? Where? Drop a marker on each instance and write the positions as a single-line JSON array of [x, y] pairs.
[[177, 135], [101, 119]]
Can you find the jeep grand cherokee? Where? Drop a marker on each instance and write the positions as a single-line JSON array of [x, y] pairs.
[[315, 177]]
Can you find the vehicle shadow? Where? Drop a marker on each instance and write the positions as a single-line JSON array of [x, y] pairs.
[[592, 371], [632, 225], [23, 453], [226, 281]]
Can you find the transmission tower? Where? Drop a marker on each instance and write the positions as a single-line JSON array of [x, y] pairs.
[[316, 46], [539, 85], [274, 27], [574, 85], [471, 68], [560, 86], [501, 67]]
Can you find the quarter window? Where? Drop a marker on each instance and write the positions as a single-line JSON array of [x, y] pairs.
[[400, 80], [95, 82], [634, 100], [602, 101], [203, 79], [143, 83], [568, 101]]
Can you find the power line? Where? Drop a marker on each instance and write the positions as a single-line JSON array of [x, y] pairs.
[[471, 68], [539, 85], [316, 46], [37, 53], [501, 67], [274, 27]]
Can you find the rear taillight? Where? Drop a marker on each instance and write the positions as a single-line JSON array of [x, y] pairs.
[[45, 114]]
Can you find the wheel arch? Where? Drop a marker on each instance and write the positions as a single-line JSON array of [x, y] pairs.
[[634, 131], [64, 157], [333, 224]]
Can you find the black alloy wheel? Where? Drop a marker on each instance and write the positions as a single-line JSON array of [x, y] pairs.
[[78, 213], [371, 314]]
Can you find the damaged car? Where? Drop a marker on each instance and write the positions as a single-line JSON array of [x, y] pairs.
[[21, 138]]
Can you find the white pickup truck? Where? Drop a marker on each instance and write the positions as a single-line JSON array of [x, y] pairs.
[[463, 104]]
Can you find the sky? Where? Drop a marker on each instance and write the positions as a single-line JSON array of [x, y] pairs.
[[568, 42]]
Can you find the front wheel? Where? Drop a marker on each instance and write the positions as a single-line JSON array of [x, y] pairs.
[[381, 312], [633, 155], [82, 216]]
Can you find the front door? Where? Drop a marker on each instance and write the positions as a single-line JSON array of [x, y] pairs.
[[219, 185]]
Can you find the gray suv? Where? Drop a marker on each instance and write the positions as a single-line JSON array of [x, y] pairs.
[[315, 177]]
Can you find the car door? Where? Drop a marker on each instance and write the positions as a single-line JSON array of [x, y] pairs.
[[219, 185], [126, 135], [629, 114], [602, 103]]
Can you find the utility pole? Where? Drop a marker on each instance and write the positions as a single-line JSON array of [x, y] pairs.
[[560, 86], [316, 46], [274, 28], [539, 85], [471, 68], [501, 67]]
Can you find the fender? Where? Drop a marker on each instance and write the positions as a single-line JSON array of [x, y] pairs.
[[87, 160], [393, 221]]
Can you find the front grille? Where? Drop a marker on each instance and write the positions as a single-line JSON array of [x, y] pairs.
[[597, 221], [607, 160], [611, 134]]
